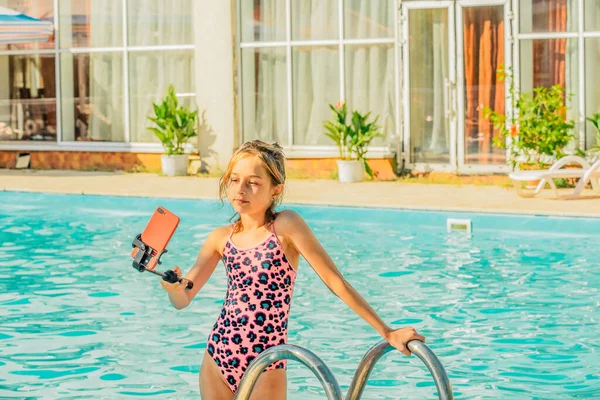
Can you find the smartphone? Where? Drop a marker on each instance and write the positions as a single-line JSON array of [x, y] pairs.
[[157, 234]]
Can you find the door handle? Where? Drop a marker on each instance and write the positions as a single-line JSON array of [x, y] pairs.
[[450, 88], [447, 97]]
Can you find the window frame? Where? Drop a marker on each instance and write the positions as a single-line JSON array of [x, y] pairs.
[[125, 49], [580, 35], [291, 149]]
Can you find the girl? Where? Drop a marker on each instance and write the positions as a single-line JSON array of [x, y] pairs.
[[261, 251]]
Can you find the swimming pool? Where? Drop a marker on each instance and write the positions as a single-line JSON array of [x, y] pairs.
[[511, 311]]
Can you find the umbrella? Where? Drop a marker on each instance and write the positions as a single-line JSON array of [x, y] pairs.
[[16, 27]]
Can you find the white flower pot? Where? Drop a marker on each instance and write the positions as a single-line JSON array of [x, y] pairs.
[[350, 171], [174, 165]]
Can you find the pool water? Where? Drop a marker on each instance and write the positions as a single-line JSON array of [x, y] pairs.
[[511, 311]]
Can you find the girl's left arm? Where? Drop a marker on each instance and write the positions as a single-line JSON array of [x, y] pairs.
[[302, 237]]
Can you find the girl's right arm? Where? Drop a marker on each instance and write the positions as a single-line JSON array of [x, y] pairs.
[[205, 264]]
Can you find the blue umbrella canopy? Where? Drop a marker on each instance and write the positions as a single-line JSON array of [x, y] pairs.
[[16, 27]]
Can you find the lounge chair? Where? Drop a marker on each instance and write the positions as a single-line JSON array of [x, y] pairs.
[[586, 174]]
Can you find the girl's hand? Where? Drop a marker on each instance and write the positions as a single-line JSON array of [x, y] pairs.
[[400, 337], [174, 287]]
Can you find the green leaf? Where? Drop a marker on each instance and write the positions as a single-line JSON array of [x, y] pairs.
[[159, 134], [368, 169], [174, 124], [178, 122], [540, 116], [353, 139], [158, 110]]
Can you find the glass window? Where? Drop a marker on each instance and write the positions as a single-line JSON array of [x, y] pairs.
[[150, 74], [91, 23], [592, 60], [159, 22], [263, 20], [370, 84], [314, 20], [483, 43], [428, 62], [39, 9], [27, 97], [316, 84], [547, 62], [592, 15], [368, 19], [92, 97], [265, 95], [548, 16]]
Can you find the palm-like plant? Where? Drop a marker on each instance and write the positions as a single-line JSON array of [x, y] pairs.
[[352, 139], [337, 129], [175, 124]]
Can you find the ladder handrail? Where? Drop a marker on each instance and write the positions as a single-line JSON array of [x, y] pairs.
[[289, 352], [326, 377], [416, 347]]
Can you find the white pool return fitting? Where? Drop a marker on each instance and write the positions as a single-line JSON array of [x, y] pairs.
[[458, 225]]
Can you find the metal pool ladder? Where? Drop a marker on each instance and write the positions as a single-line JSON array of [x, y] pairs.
[[326, 377]]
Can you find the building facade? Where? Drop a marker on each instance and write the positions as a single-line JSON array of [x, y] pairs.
[[268, 69]]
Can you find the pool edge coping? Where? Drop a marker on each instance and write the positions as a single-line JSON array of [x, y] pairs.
[[327, 203]]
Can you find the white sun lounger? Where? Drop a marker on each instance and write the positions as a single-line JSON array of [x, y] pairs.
[[586, 174]]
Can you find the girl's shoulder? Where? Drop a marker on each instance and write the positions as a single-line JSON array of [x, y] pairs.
[[219, 236], [288, 216], [222, 231], [287, 219]]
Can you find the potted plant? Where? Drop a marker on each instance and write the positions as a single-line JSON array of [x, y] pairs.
[[174, 125], [538, 130], [353, 140]]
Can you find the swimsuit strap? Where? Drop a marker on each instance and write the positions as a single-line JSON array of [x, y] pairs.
[[275, 233]]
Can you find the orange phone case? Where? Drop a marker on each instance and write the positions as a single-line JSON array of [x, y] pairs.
[[156, 236]]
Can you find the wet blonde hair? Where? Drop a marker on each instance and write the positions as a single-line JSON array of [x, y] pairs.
[[272, 159]]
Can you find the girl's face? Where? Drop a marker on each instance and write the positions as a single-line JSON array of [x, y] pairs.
[[250, 190]]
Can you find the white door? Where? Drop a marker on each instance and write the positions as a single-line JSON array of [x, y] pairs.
[[429, 84], [451, 51]]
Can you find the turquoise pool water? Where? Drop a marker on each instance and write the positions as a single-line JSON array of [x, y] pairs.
[[512, 311]]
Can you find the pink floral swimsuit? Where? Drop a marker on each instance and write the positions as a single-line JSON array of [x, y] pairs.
[[254, 317]]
